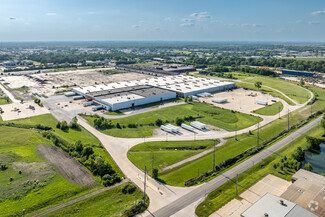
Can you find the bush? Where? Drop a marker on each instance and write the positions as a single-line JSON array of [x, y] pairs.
[[111, 179], [155, 173], [136, 209], [129, 189]]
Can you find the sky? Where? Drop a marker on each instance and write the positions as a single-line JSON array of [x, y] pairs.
[[163, 20]]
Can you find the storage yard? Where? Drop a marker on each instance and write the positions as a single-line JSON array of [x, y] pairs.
[[49, 83]]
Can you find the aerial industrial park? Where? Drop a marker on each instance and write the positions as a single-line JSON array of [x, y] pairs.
[[162, 108]]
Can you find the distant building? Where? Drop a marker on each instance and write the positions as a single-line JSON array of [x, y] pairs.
[[298, 73], [157, 70]]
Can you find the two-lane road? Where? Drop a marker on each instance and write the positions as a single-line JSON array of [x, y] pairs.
[[206, 188]]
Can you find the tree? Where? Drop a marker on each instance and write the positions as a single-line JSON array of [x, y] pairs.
[[302, 82], [87, 152], [179, 121], [79, 147], [64, 126], [155, 173], [159, 122], [323, 121], [258, 84], [308, 167]]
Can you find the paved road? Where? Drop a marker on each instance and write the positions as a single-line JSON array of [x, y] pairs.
[[78, 199], [206, 188]]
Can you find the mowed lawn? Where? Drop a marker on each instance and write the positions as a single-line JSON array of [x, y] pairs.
[[292, 90], [209, 114], [225, 193], [37, 186], [163, 154], [270, 110], [111, 203]]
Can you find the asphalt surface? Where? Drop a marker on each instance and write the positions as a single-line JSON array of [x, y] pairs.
[[206, 188]]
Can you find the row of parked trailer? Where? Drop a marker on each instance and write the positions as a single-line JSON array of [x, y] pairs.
[[173, 129]]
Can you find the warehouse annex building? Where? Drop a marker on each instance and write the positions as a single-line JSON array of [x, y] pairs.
[[128, 94]]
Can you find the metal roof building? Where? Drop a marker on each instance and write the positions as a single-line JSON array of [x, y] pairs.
[[274, 206]]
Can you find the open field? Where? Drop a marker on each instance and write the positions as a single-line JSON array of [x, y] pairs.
[[295, 92], [68, 167], [215, 116], [233, 147], [270, 110], [222, 195], [110, 203], [37, 186], [316, 59], [166, 153], [4, 101], [263, 89], [72, 136]]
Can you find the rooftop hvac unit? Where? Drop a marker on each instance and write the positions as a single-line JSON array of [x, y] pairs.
[[187, 127]]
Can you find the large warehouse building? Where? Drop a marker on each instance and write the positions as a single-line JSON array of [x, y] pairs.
[[157, 70], [128, 94]]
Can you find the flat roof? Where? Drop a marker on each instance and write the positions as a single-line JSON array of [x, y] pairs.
[[308, 191], [271, 205]]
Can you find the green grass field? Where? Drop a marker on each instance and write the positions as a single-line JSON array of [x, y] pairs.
[[222, 195], [111, 203], [205, 113], [270, 110], [292, 90], [314, 59], [166, 153], [178, 176], [37, 186]]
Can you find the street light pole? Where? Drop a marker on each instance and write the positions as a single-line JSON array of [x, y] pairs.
[[144, 188]]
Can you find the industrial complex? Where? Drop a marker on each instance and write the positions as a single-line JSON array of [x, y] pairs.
[[157, 70], [128, 94]]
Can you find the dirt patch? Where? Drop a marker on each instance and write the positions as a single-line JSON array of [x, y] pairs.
[[68, 167]]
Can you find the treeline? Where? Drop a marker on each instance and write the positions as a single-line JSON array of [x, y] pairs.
[[234, 61], [85, 154]]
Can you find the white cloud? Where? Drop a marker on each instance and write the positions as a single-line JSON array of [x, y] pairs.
[[136, 26], [254, 25], [168, 19], [313, 22], [51, 14], [187, 24], [201, 16], [318, 13]]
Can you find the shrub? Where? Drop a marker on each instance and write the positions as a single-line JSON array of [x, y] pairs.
[[159, 122], [136, 209], [155, 173], [129, 189]]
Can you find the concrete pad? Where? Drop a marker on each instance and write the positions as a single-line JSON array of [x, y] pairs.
[[11, 111], [268, 184]]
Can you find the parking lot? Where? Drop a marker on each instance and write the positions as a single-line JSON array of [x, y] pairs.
[[240, 100]]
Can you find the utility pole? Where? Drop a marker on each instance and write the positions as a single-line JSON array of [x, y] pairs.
[[288, 120], [214, 156], [258, 134], [152, 159], [311, 109], [23, 212], [144, 188], [237, 184], [236, 132]]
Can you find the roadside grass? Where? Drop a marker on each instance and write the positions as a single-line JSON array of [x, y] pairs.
[[177, 176], [292, 90], [264, 89], [209, 114], [225, 193], [114, 113], [314, 59], [110, 203], [163, 154], [270, 110], [37, 186]]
